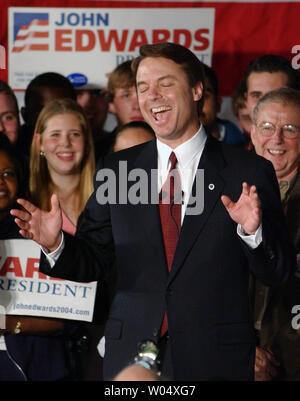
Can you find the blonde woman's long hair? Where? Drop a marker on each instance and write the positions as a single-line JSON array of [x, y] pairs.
[[40, 180]]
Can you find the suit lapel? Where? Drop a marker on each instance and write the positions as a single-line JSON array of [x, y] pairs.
[[149, 213], [211, 162]]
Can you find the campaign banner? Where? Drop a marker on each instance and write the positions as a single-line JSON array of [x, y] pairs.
[[26, 291], [86, 44]]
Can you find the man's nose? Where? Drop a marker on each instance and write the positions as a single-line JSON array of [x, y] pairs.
[[135, 103], [153, 92], [278, 135]]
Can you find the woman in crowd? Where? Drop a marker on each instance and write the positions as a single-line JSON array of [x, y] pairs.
[[61, 162], [30, 348]]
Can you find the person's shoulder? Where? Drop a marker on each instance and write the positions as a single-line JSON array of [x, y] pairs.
[[243, 157], [233, 135]]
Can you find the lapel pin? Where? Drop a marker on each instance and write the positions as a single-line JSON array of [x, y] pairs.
[[211, 187]]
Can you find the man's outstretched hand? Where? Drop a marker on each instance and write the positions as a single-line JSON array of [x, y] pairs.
[[247, 210], [38, 225]]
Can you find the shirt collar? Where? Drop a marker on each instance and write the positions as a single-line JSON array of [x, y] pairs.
[[185, 152]]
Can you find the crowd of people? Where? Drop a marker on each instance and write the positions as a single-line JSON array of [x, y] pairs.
[[218, 300]]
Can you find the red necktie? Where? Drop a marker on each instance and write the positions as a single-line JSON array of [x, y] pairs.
[[170, 217]]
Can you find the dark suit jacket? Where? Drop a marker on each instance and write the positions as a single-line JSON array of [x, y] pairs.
[[206, 292], [276, 331]]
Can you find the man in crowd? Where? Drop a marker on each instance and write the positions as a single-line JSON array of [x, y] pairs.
[[224, 130], [94, 103], [276, 136], [182, 260], [266, 73], [122, 96], [241, 113]]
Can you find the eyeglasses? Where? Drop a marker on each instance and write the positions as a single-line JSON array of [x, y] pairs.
[[268, 129], [8, 175]]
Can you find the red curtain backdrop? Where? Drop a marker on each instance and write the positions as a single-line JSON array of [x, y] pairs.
[[243, 30]]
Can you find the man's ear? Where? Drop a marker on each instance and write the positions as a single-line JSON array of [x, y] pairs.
[[112, 108], [197, 91]]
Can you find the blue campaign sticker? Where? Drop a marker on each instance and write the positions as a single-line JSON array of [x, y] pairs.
[[77, 79]]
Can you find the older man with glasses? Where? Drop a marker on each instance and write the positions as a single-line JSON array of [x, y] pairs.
[[275, 134]]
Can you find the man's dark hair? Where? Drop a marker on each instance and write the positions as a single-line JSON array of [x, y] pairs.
[[50, 80], [274, 63], [182, 56], [6, 89], [136, 124]]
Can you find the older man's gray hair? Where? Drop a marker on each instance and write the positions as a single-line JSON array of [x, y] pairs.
[[284, 96]]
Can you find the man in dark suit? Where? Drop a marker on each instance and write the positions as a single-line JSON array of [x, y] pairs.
[[220, 238], [276, 136]]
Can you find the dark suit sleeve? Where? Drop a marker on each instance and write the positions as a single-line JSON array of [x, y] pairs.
[[88, 255], [274, 260]]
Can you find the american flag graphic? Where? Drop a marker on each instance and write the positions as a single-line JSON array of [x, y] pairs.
[[31, 32]]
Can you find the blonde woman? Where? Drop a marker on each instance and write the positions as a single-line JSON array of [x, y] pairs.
[[62, 160]]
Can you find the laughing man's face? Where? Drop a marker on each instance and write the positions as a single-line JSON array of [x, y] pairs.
[[167, 102]]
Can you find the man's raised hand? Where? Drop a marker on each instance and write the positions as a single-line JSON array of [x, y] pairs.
[[247, 210], [40, 226]]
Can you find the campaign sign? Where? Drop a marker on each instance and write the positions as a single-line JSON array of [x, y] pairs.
[[26, 291], [90, 42]]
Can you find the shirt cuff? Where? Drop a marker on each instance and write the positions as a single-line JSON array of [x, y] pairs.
[[254, 240], [53, 256]]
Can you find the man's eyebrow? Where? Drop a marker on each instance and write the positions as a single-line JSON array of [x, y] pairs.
[[124, 88], [168, 76], [255, 92]]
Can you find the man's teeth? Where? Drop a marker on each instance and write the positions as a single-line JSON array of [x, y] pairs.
[[276, 152], [156, 110]]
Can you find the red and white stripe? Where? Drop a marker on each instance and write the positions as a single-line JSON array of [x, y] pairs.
[[34, 36]]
